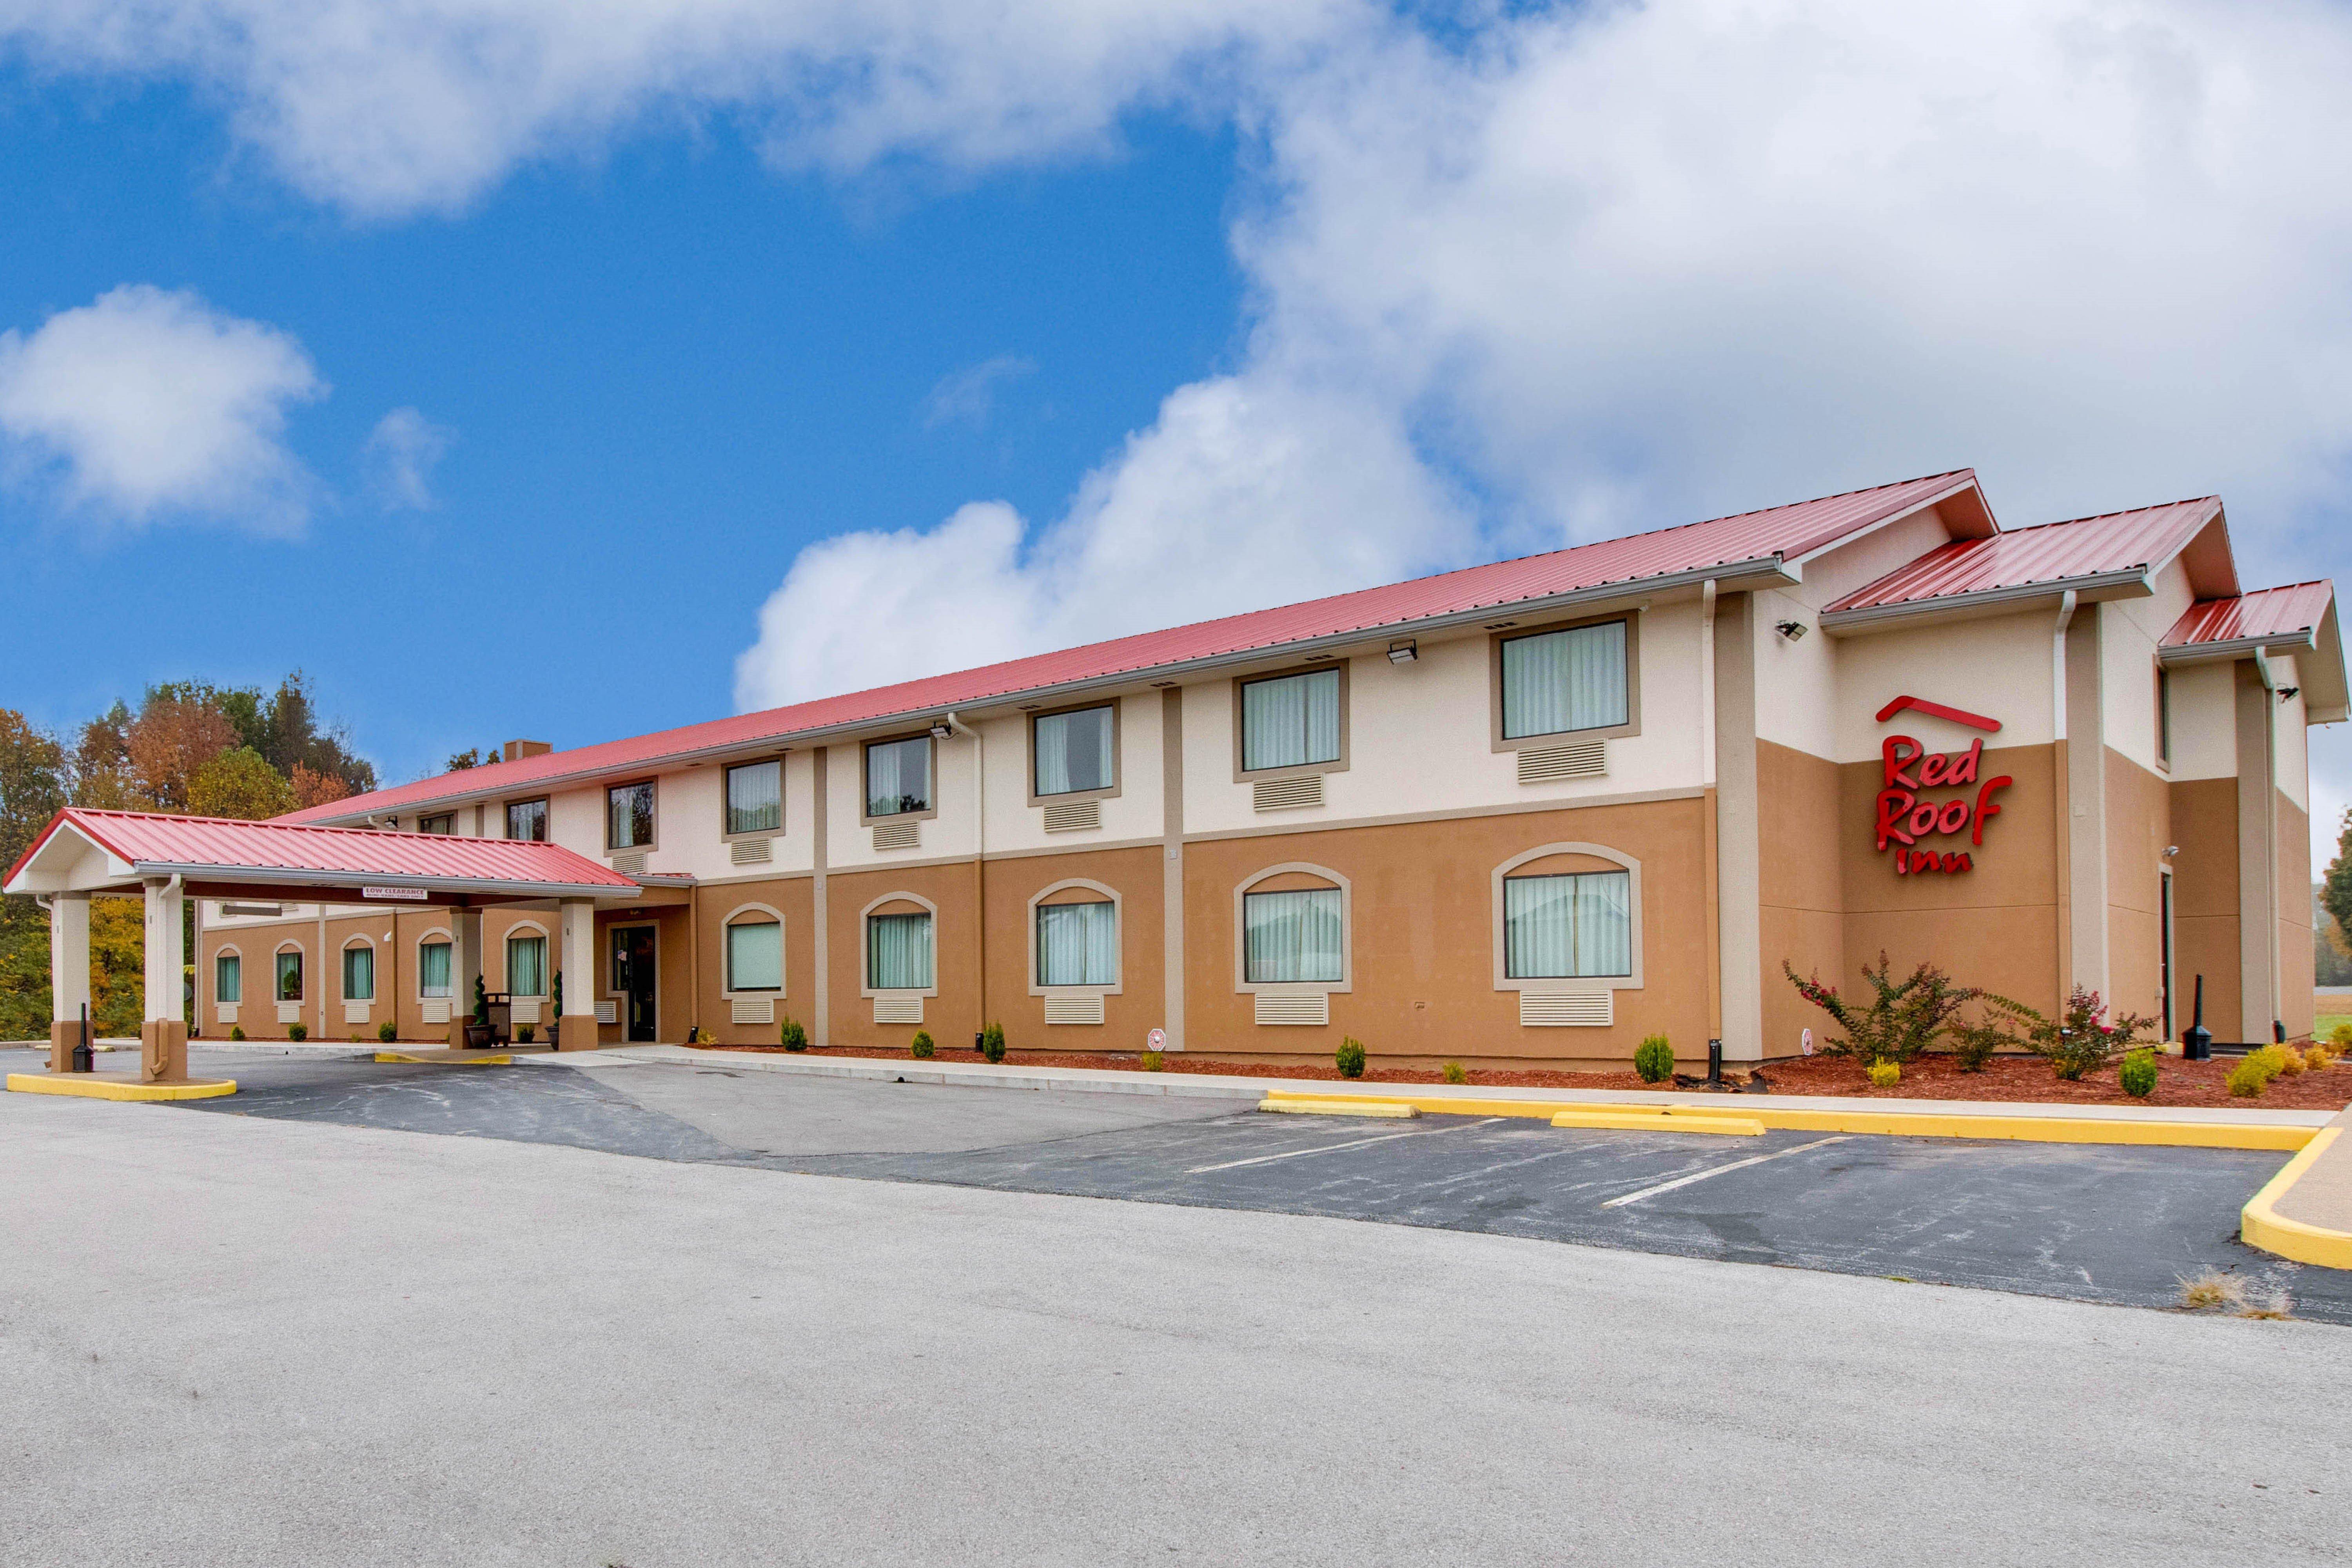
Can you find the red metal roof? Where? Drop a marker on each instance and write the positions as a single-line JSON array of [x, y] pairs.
[[151, 838], [2052, 553], [1786, 532], [2298, 607]]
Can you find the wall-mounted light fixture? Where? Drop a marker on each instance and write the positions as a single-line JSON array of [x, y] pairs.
[[1403, 651], [2170, 850], [1792, 630], [2287, 691]]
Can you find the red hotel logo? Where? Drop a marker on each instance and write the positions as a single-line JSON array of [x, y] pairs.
[[1904, 818]]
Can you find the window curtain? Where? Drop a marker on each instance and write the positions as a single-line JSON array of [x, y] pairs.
[[433, 969], [1557, 928], [899, 952], [289, 977], [526, 966], [1291, 936], [1566, 680], [755, 798], [633, 815], [1291, 721], [358, 974], [899, 777], [1077, 944], [228, 978], [755, 956], [1073, 752]]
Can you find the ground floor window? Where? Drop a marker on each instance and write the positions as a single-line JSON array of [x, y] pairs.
[[1573, 926], [289, 977], [432, 970], [1077, 944], [1293, 936], [358, 974], [755, 955], [899, 952], [527, 966], [228, 978]]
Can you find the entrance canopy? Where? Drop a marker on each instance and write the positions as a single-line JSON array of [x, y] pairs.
[[83, 851]]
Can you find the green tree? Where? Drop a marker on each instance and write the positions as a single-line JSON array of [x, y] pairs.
[[2335, 889], [32, 778], [239, 783]]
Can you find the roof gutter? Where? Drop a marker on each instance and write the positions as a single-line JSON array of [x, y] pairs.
[[2132, 583], [2238, 647], [280, 876], [1770, 570]]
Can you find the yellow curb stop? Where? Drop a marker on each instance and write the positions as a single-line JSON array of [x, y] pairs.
[[82, 1086], [1375, 1110], [1633, 1122], [498, 1061], [2260, 1224]]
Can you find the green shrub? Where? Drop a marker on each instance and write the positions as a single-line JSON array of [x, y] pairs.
[[921, 1047], [1973, 1044], [1904, 1017], [1152, 1061], [525, 1034], [2079, 1039], [1654, 1059], [387, 1032], [1453, 1072], [1884, 1075], [2290, 1061], [298, 1031], [791, 1037], [2340, 1036], [2137, 1074], [992, 1042], [236, 1032], [2248, 1079], [1349, 1057]]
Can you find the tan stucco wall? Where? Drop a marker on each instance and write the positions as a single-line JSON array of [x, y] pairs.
[[2139, 827], [2297, 959], [1802, 806], [2204, 815]]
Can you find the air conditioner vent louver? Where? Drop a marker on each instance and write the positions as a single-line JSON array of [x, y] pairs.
[[1293, 1009], [290, 1012], [630, 865], [1290, 794], [436, 1012], [1074, 1009], [227, 1011], [897, 1009], [1571, 1010], [748, 1010], [897, 836], [1577, 760], [608, 1011], [751, 852], [355, 1012], [1071, 816]]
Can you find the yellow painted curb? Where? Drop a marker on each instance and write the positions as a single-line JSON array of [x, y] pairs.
[[445, 1061], [1377, 1110], [1619, 1122], [83, 1086], [2260, 1224], [1886, 1123]]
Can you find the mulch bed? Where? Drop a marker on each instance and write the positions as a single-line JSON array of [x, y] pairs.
[[1929, 1077]]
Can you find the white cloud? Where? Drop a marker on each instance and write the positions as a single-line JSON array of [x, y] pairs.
[[968, 396], [399, 459], [147, 404]]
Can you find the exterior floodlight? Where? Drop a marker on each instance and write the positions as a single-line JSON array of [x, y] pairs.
[[939, 731], [1792, 630], [2170, 850], [2287, 691], [1403, 651]]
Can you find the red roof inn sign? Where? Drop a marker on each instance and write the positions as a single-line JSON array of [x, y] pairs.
[[1908, 819]]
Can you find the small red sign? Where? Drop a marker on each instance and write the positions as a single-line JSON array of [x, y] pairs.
[[1908, 820]]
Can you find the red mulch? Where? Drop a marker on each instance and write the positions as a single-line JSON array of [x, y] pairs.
[[1929, 1077]]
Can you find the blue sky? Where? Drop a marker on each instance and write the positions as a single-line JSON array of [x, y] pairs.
[[809, 344]]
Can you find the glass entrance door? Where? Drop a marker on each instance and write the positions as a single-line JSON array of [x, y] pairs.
[[636, 964]]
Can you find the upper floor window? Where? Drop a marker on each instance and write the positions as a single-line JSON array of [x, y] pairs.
[[289, 977], [755, 955], [527, 820], [1573, 926], [228, 977], [1291, 721], [1072, 752], [1558, 681], [899, 776], [2164, 716], [445, 823], [1295, 935], [755, 797], [629, 816]]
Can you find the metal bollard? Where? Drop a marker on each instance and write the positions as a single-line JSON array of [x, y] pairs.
[[2197, 1040]]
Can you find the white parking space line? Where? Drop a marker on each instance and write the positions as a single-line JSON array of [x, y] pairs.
[[1335, 1147], [1717, 1171]]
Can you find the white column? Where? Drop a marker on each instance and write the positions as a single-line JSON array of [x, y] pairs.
[[465, 958], [576, 1029], [166, 954], [69, 957]]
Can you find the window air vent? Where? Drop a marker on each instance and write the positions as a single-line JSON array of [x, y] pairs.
[[631, 864], [355, 1012], [897, 1009], [526, 1010], [1074, 1009], [608, 1011], [749, 1010], [897, 836], [437, 1011], [1273, 1009], [227, 1011], [1577, 760], [751, 852], [1073, 816], [290, 1012], [1572, 1010], [1289, 795]]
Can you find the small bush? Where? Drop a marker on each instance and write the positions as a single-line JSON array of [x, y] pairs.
[[2290, 1061], [1902, 1018], [1453, 1072], [1973, 1044], [236, 1032], [2079, 1039], [2253, 1074], [358, 1038], [921, 1047], [791, 1037], [992, 1042], [298, 1031], [387, 1032], [1151, 1061], [1654, 1059], [2340, 1036], [1349, 1057], [2137, 1074], [525, 1034], [1884, 1075]]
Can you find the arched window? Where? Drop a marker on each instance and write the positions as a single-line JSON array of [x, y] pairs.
[[433, 979], [755, 951], [228, 976], [1074, 938], [900, 945], [1293, 924], [1568, 917], [359, 970], [527, 961], [289, 980]]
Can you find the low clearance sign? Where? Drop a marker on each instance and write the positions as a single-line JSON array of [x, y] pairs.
[[1906, 815]]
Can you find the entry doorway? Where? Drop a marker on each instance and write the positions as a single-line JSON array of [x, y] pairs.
[[635, 964], [2164, 942]]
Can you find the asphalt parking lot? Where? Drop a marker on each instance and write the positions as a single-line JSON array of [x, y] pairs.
[[2106, 1224]]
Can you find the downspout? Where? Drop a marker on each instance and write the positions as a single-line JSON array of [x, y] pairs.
[[2270, 825], [979, 856], [1706, 682], [2061, 828]]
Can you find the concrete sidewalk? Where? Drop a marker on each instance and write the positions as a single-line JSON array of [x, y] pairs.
[[2305, 1212]]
